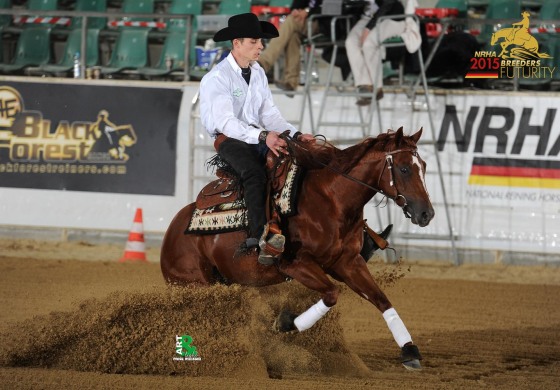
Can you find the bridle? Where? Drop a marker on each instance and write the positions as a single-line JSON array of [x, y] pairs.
[[398, 198], [389, 163]]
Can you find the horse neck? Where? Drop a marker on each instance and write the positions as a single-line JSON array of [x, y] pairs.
[[362, 173]]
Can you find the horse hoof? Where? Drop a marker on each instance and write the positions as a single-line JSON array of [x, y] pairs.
[[412, 365], [410, 357], [285, 322]]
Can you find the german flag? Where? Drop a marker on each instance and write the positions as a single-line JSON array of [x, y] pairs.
[[505, 172]]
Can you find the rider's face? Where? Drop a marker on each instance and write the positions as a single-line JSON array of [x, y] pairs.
[[247, 50]]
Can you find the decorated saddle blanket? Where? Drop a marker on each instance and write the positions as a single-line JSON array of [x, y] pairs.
[[220, 206]]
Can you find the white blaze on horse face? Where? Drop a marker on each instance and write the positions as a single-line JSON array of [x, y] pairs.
[[416, 161]]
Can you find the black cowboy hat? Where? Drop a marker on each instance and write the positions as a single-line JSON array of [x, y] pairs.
[[246, 26]]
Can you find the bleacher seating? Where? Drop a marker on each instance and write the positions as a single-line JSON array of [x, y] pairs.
[[157, 52], [91, 6], [42, 5], [73, 46], [172, 57], [130, 51], [33, 49]]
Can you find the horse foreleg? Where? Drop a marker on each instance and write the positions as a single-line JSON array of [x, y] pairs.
[[354, 274], [313, 277]]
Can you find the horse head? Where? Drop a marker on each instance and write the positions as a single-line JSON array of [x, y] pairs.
[[403, 177]]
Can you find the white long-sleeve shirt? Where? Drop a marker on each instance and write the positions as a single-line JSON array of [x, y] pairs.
[[231, 107]]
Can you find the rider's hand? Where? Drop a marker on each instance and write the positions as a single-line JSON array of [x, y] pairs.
[[276, 144]]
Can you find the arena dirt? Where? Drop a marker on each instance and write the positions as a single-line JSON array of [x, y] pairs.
[[70, 323]]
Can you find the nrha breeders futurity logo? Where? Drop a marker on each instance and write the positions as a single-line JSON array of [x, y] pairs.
[[184, 350], [518, 54]]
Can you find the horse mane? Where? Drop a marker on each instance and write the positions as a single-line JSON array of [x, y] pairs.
[[312, 155], [322, 153]]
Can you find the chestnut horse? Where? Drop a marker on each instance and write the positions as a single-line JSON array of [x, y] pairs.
[[324, 238]]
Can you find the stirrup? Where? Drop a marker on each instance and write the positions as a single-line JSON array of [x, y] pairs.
[[272, 248]]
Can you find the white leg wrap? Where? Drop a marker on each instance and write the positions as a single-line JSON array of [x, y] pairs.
[[308, 318], [396, 326]]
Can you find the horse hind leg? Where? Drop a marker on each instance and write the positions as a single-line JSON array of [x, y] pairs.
[[182, 259]]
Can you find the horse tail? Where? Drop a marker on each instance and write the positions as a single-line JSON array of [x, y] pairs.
[[311, 155]]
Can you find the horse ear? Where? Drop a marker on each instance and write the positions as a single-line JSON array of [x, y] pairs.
[[416, 136], [399, 136]]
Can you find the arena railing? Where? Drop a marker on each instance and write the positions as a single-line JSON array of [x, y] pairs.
[[111, 16]]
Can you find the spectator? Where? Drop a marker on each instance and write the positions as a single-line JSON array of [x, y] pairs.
[[289, 44], [363, 44]]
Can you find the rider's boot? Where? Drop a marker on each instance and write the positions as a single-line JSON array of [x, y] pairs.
[[271, 244], [371, 243]]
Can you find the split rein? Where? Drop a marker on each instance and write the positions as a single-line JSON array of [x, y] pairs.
[[388, 163]]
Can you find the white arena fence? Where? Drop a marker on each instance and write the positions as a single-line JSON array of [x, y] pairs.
[[499, 151]]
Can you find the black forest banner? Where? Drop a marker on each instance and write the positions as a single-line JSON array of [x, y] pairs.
[[88, 138]]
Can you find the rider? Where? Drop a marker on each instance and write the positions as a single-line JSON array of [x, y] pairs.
[[521, 29], [237, 109]]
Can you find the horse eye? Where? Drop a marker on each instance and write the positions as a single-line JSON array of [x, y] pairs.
[[404, 170]]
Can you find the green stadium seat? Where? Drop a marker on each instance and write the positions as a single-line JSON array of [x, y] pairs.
[[5, 20], [91, 6], [460, 5], [130, 51], [234, 7], [42, 5], [279, 3], [138, 7], [175, 42], [73, 46], [33, 49], [550, 10], [171, 59], [192, 7]]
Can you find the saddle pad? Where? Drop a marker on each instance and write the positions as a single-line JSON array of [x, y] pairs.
[[218, 219], [286, 199]]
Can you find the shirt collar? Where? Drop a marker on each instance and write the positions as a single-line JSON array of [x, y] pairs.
[[235, 65]]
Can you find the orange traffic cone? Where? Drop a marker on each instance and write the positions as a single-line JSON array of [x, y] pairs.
[[135, 249]]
